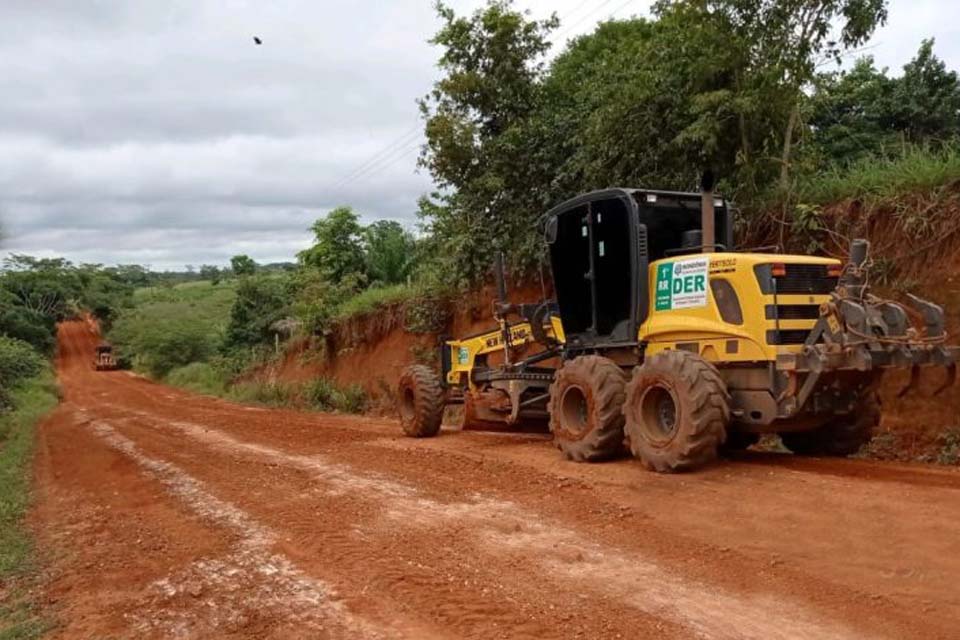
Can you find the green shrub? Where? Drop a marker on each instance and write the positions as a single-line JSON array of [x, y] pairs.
[[261, 301], [163, 349], [352, 399], [169, 328], [273, 393], [322, 394], [374, 298], [30, 326], [201, 377], [918, 168], [426, 314], [949, 447], [18, 362]]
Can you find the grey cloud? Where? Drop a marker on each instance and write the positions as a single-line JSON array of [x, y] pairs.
[[157, 132]]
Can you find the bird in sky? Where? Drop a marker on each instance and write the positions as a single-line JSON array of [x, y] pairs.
[[257, 40]]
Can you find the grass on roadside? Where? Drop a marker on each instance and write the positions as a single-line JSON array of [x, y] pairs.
[[321, 394], [917, 169], [19, 618], [199, 377], [373, 299]]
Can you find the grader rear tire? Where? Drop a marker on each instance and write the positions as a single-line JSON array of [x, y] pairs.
[[585, 409], [842, 436], [677, 411], [420, 400]]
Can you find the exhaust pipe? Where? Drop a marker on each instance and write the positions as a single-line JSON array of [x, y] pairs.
[[499, 276], [708, 217]]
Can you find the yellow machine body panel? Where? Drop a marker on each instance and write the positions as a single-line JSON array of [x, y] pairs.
[[464, 352], [685, 312]]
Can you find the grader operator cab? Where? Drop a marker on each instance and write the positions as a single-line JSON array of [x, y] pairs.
[[666, 340]]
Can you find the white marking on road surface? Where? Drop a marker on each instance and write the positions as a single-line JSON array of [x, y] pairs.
[[708, 611], [250, 579]]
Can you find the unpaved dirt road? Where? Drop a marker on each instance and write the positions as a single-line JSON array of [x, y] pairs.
[[164, 514]]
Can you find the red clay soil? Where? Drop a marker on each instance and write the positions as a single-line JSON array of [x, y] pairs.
[[163, 514]]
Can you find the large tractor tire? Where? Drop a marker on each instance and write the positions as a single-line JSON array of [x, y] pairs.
[[677, 411], [585, 409], [842, 436], [420, 399]]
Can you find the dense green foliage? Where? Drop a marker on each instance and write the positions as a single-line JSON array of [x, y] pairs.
[[733, 87], [337, 252], [261, 302], [18, 362], [37, 293], [242, 265], [390, 253], [864, 112], [173, 327]]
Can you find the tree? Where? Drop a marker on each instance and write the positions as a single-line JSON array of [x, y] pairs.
[[243, 265], [863, 111], [261, 301], [44, 286], [390, 252], [492, 64], [778, 45], [34, 328], [338, 245], [210, 272], [851, 112], [927, 98]]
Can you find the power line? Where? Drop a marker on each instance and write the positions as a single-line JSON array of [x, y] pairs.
[[400, 147], [384, 162], [373, 160], [571, 26]]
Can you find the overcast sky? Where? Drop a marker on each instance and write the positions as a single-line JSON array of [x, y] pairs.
[[159, 133]]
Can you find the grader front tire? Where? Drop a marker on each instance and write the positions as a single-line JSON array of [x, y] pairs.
[[420, 400], [585, 409], [677, 410]]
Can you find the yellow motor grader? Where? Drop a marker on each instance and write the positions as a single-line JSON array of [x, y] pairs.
[[665, 339], [103, 359]]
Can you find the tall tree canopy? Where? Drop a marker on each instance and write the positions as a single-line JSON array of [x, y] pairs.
[[476, 149], [718, 84], [338, 248], [390, 252]]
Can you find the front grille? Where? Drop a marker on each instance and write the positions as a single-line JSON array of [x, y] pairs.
[[806, 278], [810, 279], [793, 312], [787, 336]]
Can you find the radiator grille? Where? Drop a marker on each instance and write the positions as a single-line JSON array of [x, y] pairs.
[[793, 311], [806, 278], [787, 336]]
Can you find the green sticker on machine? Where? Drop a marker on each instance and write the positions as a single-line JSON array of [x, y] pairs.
[[682, 284], [463, 356]]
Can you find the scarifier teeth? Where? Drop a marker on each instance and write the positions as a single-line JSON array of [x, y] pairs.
[[950, 380]]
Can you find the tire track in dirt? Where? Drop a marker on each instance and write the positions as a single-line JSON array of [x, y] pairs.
[[252, 576], [496, 525], [428, 568]]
